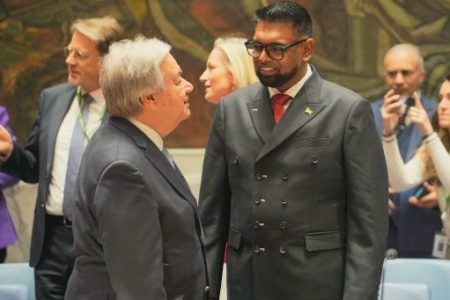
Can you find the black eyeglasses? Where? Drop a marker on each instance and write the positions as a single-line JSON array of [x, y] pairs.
[[275, 52]]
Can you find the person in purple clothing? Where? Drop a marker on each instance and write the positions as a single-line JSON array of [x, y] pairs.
[[8, 233]]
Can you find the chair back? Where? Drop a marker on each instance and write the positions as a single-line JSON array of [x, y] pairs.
[[16, 281], [434, 273]]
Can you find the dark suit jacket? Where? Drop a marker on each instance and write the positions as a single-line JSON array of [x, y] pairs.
[[302, 204], [137, 233], [33, 164], [412, 228]]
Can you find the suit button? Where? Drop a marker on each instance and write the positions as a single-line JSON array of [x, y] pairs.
[[207, 289], [236, 160], [259, 250], [284, 201], [283, 225], [257, 224], [285, 177], [282, 250], [315, 160], [259, 201]]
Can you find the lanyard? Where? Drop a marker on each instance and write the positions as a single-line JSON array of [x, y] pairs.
[[81, 121]]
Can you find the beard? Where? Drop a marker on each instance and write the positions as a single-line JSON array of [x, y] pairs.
[[277, 80]]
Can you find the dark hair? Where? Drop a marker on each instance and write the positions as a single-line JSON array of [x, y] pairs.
[[444, 135], [287, 12]]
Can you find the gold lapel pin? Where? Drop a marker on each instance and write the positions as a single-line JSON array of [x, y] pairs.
[[308, 111]]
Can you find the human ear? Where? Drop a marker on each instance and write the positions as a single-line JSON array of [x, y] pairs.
[[308, 49]]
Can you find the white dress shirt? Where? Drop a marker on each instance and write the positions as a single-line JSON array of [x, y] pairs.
[[61, 155], [293, 90]]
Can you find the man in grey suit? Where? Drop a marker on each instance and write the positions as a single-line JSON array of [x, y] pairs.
[[136, 228], [68, 115], [296, 186]]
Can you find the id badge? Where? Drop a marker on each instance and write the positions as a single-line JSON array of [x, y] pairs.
[[440, 245]]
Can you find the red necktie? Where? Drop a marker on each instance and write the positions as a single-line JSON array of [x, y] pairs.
[[279, 101]]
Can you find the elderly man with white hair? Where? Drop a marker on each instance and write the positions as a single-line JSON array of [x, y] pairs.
[[136, 229]]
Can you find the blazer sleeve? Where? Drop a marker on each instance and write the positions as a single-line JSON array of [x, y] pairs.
[[440, 157], [214, 202], [5, 179], [130, 234], [402, 176], [367, 212], [24, 161]]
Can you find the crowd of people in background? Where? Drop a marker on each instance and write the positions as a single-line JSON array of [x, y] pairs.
[[289, 198]]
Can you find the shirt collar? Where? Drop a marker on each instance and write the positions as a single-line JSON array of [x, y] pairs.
[[149, 132], [293, 90], [97, 95]]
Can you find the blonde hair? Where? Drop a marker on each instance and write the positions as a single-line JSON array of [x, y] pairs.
[[102, 31], [239, 63], [131, 67]]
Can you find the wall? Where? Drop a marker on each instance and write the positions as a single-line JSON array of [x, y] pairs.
[[351, 38]]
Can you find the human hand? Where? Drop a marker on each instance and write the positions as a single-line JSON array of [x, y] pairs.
[[391, 112], [418, 115], [426, 201], [6, 143]]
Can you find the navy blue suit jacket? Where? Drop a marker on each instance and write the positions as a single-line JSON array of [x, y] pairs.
[[412, 228], [33, 163]]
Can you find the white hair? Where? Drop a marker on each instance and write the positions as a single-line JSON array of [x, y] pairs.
[[131, 67]]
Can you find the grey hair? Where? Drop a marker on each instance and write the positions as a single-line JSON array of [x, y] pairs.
[[130, 68]]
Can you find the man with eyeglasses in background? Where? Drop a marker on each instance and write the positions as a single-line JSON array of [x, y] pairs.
[[67, 117], [295, 186], [414, 214]]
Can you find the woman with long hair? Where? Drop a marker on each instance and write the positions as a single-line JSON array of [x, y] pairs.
[[229, 67], [432, 160]]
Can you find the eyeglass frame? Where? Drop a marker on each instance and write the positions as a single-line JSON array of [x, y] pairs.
[[77, 54], [281, 48]]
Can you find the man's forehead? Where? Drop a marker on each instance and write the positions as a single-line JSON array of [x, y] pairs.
[[273, 28]]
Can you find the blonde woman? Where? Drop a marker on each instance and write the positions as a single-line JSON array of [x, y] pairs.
[[432, 160], [229, 67]]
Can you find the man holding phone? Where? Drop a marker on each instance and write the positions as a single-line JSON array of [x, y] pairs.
[[414, 215]]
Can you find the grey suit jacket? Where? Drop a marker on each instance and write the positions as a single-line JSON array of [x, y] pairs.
[[33, 163], [302, 205], [137, 234]]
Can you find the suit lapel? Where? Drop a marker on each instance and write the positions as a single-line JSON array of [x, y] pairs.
[[261, 114], [172, 175], [60, 108], [305, 106], [157, 158]]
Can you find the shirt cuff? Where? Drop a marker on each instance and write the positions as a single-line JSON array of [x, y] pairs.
[[389, 138], [431, 137]]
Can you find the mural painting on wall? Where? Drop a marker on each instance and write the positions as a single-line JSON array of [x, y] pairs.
[[351, 39]]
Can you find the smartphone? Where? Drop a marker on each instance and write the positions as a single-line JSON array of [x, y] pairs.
[[422, 191], [402, 123]]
